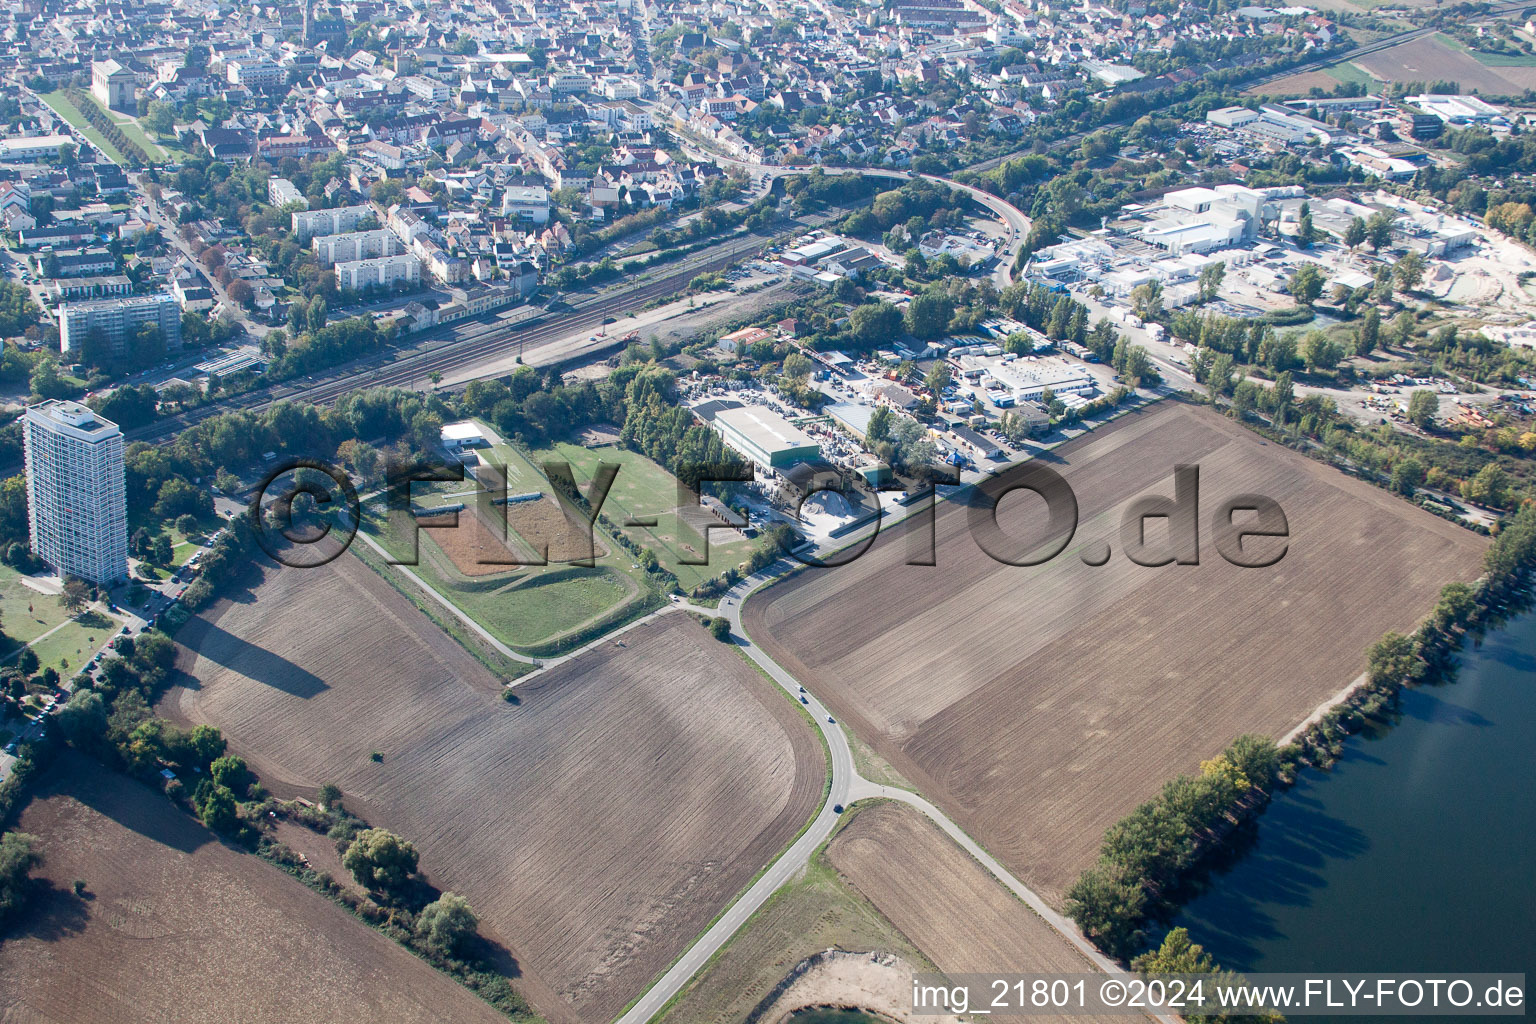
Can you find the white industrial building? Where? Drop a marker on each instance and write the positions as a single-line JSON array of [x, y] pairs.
[[31, 148], [77, 506], [1201, 219], [1028, 381], [1232, 117], [351, 246], [765, 437], [355, 275], [1458, 109]]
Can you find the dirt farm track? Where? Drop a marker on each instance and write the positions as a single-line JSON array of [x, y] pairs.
[[596, 826], [176, 926], [1039, 704]]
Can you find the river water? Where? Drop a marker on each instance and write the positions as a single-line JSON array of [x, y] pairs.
[[1414, 854]]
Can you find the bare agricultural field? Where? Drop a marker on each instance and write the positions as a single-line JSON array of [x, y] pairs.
[[475, 549], [1299, 84], [1431, 58], [177, 926], [943, 901], [1039, 704], [596, 825]]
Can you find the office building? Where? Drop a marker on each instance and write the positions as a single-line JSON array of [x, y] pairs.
[[77, 505]]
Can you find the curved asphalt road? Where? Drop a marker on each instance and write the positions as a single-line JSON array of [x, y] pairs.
[[847, 787]]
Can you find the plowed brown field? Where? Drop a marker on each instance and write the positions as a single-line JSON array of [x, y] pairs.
[[179, 927], [596, 826], [476, 548], [944, 902], [1039, 704]]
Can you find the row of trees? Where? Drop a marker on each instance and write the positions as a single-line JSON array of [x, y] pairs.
[[131, 151], [1150, 855], [1429, 654]]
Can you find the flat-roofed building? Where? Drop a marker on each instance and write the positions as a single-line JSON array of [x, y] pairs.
[[309, 223], [765, 437], [355, 275], [32, 148], [357, 245], [281, 192], [77, 508], [117, 321]]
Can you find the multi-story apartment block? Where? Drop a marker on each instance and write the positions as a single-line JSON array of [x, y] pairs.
[[118, 320], [309, 223], [255, 74], [356, 245], [77, 505], [355, 275]]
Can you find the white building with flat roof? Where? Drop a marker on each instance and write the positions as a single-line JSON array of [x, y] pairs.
[[77, 507], [355, 275], [357, 245], [765, 437], [309, 223], [32, 148]]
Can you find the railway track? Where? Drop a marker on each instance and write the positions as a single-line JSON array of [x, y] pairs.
[[472, 343]]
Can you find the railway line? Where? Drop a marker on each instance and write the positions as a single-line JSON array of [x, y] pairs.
[[534, 335]]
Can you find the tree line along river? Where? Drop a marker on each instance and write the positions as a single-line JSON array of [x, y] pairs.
[[1414, 853]]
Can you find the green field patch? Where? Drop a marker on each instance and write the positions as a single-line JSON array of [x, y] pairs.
[[74, 644], [535, 609], [26, 614], [67, 110], [1350, 73], [644, 490]]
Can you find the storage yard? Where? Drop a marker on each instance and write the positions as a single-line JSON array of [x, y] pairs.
[[596, 824], [1038, 705], [179, 926]]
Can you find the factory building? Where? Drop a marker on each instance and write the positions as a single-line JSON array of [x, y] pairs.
[[765, 437]]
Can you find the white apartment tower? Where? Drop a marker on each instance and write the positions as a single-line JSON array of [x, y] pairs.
[[76, 502]]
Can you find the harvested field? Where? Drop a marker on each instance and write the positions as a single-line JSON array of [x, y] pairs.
[[1296, 85], [1432, 58], [1039, 704], [477, 549], [937, 896], [473, 549], [811, 914], [545, 522], [178, 926], [596, 826]]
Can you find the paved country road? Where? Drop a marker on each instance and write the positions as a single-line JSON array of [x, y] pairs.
[[847, 787]]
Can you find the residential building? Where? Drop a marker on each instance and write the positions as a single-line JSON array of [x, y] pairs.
[[77, 506], [355, 275], [281, 192], [117, 321], [357, 245], [309, 223]]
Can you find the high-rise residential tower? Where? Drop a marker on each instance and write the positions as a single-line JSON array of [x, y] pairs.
[[76, 501]]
